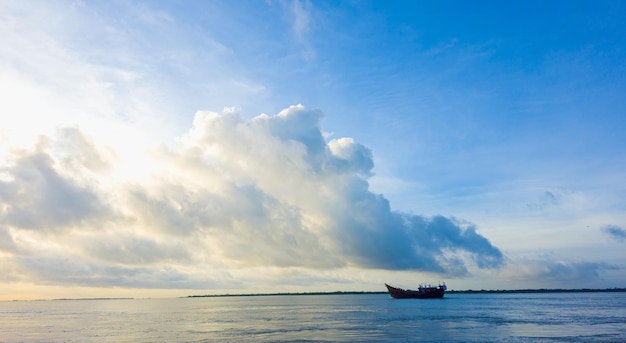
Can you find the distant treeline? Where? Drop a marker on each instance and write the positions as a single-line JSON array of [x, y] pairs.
[[470, 291], [279, 294]]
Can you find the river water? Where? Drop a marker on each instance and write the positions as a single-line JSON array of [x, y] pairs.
[[538, 317]]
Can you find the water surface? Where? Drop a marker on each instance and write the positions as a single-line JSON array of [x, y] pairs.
[[538, 317]]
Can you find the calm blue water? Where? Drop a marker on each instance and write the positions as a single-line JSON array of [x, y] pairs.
[[553, 317]]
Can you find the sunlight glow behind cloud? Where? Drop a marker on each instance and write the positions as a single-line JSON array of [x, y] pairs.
[[269, 191]]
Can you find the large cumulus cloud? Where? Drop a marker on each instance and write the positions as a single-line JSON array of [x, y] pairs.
[[234, 193]]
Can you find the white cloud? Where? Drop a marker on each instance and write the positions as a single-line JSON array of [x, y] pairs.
[[352, 155], [264, 192]]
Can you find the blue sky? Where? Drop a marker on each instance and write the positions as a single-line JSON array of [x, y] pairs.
[[165, 148]]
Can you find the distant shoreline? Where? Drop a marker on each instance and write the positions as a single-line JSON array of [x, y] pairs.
[[468, 291]]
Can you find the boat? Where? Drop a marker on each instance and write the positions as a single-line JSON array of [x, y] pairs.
[[423, 292]]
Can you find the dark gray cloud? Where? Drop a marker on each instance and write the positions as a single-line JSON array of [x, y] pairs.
[[615, 232]]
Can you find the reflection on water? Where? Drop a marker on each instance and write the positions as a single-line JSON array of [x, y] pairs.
[[375, 317]]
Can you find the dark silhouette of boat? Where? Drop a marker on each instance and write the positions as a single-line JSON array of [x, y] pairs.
[[423, 292]]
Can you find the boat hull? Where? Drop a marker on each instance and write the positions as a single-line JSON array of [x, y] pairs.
[[423, 293]]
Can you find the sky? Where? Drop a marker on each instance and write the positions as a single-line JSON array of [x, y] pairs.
[[172, 148]]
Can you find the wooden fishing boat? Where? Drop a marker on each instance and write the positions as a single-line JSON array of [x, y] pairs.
[[423, 292]]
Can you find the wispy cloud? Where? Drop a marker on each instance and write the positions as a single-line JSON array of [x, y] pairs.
[[300, 14], [301, 19]]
